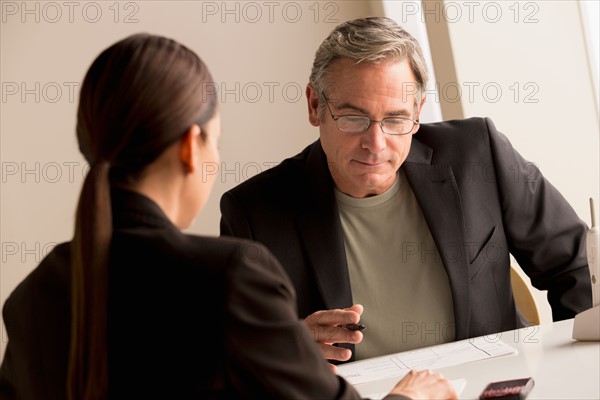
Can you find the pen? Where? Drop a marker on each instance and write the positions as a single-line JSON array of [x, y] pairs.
[[355, 327]]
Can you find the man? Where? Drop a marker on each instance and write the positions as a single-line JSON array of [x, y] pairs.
[[413, 222]]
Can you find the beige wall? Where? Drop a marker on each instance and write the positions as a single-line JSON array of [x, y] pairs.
[[260, 53]]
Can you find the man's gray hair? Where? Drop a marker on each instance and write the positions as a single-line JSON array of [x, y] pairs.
[[372, 40]]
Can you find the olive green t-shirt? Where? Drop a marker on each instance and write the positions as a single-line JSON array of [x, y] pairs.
[[396, 272]]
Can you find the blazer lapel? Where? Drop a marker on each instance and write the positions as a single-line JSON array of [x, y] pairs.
[[436, 191], [321, 231]]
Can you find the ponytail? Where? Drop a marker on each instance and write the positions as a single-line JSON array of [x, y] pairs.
[[87, 377]]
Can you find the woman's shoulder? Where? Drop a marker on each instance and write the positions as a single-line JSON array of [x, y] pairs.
[[236, 254], [225, 247], [55, 267], [47, 283]]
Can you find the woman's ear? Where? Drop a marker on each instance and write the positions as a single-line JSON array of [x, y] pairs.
[[189, 148]]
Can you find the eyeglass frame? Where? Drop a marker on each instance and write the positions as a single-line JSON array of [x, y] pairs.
[[380, 122]]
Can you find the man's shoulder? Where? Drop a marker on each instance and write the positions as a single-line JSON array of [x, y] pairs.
[[457, 133], [280, 177], [455, 126]]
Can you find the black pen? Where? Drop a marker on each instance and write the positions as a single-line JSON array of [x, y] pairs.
[[355, 327]]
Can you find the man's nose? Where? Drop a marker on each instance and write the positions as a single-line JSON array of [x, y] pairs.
[[374, 139]]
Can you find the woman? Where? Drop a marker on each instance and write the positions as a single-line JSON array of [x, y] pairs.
[[134, 308]]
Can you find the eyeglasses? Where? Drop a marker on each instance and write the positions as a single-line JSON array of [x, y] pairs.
[[359, 123]]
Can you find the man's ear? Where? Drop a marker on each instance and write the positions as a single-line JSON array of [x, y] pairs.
[[419, 113], [189, 148], [313, 106], [422, 104]]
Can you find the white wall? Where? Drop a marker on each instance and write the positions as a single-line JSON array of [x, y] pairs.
[[589, 11]]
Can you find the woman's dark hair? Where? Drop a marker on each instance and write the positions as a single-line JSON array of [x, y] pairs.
[[139, 96]]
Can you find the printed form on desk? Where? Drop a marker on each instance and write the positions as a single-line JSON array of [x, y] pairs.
[[439, 356]]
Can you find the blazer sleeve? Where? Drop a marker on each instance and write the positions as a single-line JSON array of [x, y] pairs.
[[544, 233], [37, 320], [7, 379], [265, 336]]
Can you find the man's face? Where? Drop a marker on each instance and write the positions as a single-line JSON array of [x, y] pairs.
[[365, 164]]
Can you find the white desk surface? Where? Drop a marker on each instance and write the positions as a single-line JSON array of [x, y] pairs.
[[561, 367]]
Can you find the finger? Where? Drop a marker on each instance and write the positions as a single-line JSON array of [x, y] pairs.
[[425, 384], [358, 308], [333, 317], [336, 334], [333, 367], [330, 352]]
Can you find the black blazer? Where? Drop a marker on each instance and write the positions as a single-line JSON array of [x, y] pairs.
[[481, 201], [189, 317]]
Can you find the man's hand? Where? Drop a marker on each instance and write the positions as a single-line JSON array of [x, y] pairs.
[[326, 327]]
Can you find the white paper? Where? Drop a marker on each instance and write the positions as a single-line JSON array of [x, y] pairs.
[[444, 355]]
